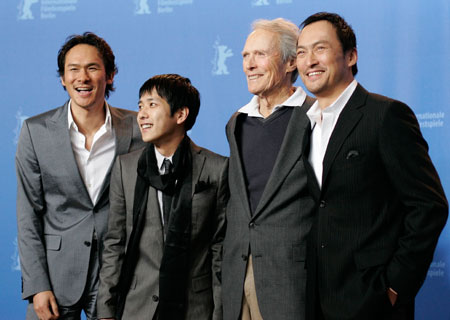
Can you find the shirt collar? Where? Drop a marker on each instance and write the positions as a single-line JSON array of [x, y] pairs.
[[295, 100], [71, 123], [315, 113]]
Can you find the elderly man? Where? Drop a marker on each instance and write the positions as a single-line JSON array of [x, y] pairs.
[[269, 211]]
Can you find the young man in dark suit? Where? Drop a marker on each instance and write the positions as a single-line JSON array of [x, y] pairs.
[[381, 206], [162, 257]]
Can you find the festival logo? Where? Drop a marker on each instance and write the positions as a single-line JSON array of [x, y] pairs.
[[167, 6], [15, 265], [431, 119], [142, 7], [49, 9], [25, 12], [258, 3], [19, 121], [221, 54], [437, 269]]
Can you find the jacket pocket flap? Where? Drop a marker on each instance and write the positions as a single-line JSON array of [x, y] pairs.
[[52, 242], [201, 283], [372, 257]]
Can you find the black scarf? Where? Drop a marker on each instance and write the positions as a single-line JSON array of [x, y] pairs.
[[173, 273]]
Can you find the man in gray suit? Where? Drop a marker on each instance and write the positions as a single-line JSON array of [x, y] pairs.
[[164, 242], [63, 166], [269, 211]]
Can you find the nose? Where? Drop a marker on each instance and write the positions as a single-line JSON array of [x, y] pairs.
[[142, 114], [311, 59], [83, 75], [249, 62]]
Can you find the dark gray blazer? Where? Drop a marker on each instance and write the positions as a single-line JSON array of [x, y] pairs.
[[210, 194], [380, 211], [55, 215], [276, 232]]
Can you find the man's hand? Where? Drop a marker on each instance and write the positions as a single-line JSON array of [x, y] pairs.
[[45, 305], [392, 295]]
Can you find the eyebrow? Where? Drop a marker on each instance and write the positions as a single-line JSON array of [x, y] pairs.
[[147, 99], [87, 65], [256, 50], [314, 44]]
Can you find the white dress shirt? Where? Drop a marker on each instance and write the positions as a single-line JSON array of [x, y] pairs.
[[159, 160], [93, 165], [323, 123], [295, 100]]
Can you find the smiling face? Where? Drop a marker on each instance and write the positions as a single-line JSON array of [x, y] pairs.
[[263, 66], [323, 66], [155, 122], [84, 77]]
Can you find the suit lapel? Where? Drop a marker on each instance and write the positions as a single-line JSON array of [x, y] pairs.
[[154, 212], [348, 119], [289, 154], [59, 137], [123, 131], [236, 166], [198, 160]]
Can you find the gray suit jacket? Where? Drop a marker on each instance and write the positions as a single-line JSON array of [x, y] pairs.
[[210, 194], [55, 215], [275, 233]]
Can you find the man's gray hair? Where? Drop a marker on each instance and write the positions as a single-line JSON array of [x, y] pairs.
[[287, 34]]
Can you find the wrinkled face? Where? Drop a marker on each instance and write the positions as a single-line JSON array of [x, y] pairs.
[[324, 68], [85, 77], [154, 119], [263, 65]]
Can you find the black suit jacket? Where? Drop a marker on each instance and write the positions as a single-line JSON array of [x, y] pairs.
[[379, 215]]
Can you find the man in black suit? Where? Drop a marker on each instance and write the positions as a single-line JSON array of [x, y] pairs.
[[381, 206]]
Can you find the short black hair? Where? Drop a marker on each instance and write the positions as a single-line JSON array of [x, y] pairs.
[[344, 31], [103, 48], [178, 91]]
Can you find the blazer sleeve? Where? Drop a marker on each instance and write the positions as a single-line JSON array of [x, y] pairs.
[[218, 236], [404, 153], [114, 246], [30, 208]]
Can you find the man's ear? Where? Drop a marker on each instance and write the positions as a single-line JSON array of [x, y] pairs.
[[291, 65], [110, 79], [62, 81], [181, 115], [352, 57]]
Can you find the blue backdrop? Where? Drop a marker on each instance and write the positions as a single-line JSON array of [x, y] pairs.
[[404, 53]]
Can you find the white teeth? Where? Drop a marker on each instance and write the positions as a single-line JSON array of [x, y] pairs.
[[83, 89], [315, 73], [146, 126], [253, 77]]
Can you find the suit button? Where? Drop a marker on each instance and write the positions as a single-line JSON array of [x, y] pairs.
[[323, 204], [251, 225], [244, 257], [87, 243], [155, 298], [323, 245]]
